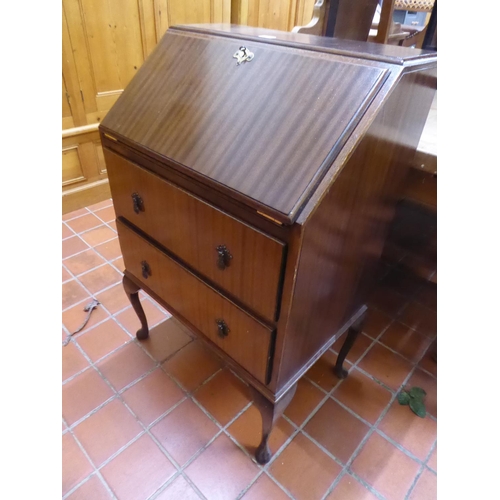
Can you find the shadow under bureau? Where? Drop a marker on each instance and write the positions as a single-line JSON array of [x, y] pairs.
[[254, 174]]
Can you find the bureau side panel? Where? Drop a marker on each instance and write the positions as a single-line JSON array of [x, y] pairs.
[[344, 235]]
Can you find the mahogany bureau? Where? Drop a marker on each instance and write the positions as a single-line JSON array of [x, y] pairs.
[[254, 174]]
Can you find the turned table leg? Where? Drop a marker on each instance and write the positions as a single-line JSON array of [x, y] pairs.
[[353, 332], [270, 413], [132, 290]]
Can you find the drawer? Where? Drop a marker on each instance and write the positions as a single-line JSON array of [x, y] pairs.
[[235, 256], [241, 336]]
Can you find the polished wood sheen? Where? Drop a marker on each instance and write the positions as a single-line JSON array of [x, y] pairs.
[[248, 142], [248, 341], [290, 163], [193, 230]]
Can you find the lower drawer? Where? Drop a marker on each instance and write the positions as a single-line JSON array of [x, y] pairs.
[[241, 336]]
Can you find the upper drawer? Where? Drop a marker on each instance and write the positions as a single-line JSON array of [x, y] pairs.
[[237, 333], [241, 259]]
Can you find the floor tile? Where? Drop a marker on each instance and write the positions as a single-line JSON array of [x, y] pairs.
[[125, 365], [114, 299], [93, 489], [247, 430], [432, 463], [73, 361], [82, 394], [106, 214], [385, 468], [75, 316], [166, 339], [83, 262], [407, 342], [223, 396], [139, 471], [414, 433], [304, 469], [420, 318], [100, 278], [72, 245], [98, 235], [217, 481], [106, 431], [361, 344], [337, 430], [375, 322], [265, 489], [192, 365], [386, 366], [429, 384], [322, 373], [66, 275], [84, 223], [75, 465], [179, 489], [130, 321], [109, 250], [112, 224], [305, 400], [348, 488], [429, 359], [103, 339], [72, 293], [152, 396], [119, 264], [184, 431], [363, 395], [75, 213], [427, 295], [426, 487], [66, 231]]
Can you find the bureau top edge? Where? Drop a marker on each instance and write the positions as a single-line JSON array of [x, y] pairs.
[[392, 54]]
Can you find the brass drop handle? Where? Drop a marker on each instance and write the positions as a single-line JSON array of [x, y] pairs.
[[222, 328], [146, 270], [223, 257], [138, 203]]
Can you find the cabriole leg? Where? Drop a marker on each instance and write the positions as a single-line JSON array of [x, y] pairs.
[[352, 334], [132, 290], [270, 413]]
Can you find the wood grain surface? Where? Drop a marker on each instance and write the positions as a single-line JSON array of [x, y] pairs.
[[193, 229], [249, 128], [248, 341]]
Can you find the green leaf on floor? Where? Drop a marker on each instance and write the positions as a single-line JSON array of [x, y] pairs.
[[415, 399], [418, 407], [404, 398], [417, 392]]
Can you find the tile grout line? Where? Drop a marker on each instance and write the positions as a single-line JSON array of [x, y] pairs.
[[419, 473], [224, 429]]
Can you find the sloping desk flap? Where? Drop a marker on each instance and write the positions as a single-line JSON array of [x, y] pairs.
[[264, 131]]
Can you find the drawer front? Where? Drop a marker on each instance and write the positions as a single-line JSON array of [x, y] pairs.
[[237, 333], [244, 261]]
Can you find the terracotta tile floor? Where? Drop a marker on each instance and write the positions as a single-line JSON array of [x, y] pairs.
[[165, 419]]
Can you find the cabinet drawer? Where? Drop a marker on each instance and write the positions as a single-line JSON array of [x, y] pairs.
[[238, 334], [239, 258]]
